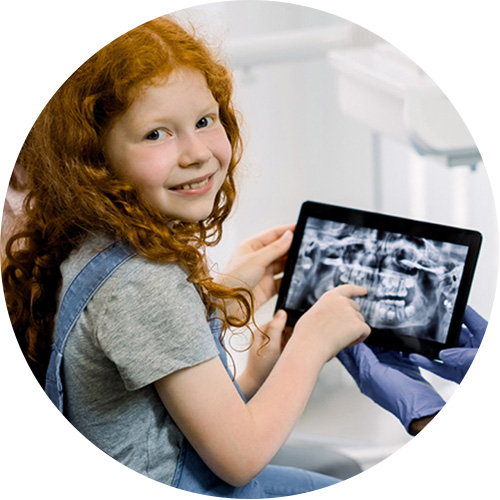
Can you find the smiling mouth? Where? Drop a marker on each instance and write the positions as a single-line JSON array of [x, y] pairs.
[[192, 185]]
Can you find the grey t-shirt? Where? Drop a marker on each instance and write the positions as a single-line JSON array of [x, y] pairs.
[[144, 323]]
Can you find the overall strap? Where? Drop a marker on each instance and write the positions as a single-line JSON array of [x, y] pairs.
[[76, 298]]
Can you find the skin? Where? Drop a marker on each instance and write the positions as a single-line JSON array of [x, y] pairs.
[[170, 136], [419, 424], [237, 440]]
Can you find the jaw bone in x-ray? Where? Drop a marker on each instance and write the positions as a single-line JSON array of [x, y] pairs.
[[412, 282]]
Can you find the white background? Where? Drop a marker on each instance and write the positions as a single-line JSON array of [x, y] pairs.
[[42, 43]]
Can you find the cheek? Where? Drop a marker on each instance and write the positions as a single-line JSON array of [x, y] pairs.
[[146, 167], [221, 148]]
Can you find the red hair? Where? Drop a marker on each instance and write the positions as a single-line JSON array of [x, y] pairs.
[[71, 191]]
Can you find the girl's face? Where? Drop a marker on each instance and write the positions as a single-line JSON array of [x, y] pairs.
[[172, 147]]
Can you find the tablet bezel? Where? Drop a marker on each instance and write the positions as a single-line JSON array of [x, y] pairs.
[[390, 223]]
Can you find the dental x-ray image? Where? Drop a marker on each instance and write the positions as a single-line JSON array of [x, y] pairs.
[[412, 282]]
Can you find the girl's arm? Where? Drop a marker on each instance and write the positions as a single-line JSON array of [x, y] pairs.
[[262, 356], [237, 440]]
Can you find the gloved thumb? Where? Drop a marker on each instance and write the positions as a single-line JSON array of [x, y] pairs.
[[366, 355], [458, 356], [475, 321], [422, 361], [357, 360]]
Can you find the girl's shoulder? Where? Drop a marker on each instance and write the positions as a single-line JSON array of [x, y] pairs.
[[137, 276], [147, 318]]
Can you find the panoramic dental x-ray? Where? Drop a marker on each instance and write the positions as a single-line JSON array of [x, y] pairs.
[[412, 282]]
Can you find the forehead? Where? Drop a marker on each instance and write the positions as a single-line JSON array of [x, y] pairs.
[[176, 90], [175, 100]]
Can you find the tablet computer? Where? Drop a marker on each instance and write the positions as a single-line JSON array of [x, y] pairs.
[[418, 274]]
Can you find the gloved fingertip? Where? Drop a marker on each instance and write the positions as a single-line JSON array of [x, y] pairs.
[[452, 351], [365, 353], [414, 357], [473, 318]]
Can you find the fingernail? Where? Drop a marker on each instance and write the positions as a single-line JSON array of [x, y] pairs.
[[280, 314], [287, 234]]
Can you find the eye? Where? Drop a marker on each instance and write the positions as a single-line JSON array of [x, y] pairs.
[[205, 122], [156, 135]]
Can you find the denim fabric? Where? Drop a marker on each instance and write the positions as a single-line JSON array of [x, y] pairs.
[[274, 481], [191, 473], [76, 298]]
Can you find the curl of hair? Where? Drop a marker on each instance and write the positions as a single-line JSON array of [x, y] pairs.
[[71, 191]]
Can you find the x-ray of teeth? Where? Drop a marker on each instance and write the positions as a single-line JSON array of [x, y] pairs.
[[412, 282]]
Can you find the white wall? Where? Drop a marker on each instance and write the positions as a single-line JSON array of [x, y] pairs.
[[301, 146]]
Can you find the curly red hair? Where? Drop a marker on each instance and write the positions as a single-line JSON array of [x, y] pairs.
[[71, 191]]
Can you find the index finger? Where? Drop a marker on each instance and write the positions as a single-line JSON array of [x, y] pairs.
[[351, 290]]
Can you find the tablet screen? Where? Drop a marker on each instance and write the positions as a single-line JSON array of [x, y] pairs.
[[413, 280]]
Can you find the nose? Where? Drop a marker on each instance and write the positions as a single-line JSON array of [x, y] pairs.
[[193, 151]]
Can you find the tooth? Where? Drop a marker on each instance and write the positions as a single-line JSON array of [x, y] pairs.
[[350, 274], [385, 281], [362, 303], [368, 313], [401, 313], [410, 311], [368, 279], [447, 304], [382, 310], [409, 283], [194, 185]]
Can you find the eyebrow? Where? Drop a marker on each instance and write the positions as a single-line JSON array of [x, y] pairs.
[[155, 121]]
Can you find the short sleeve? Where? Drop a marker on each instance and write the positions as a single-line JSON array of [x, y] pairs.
[[154, 322]]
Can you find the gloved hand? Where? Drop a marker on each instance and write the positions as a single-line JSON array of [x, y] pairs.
[[457, 360], [395, 385]]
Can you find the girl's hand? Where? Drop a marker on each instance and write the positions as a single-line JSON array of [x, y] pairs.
[[257, 261], [261, 356], [333, 322]]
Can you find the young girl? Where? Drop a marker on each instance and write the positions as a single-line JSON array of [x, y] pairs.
[[129, 174]]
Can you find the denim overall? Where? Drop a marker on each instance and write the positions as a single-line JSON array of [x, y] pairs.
[[191, 473]]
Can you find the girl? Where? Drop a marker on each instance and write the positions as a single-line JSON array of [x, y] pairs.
[[129, 173]]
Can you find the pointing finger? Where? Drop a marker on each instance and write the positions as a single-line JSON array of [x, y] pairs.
[[351, 290]]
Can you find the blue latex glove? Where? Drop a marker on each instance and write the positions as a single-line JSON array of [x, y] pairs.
[[456, 361], [395, 385]]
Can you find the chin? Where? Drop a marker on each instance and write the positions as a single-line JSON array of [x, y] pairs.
[[187, 210], [192, 216], [192, 220]]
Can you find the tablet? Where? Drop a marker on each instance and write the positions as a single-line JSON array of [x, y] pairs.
[[418, 274]]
